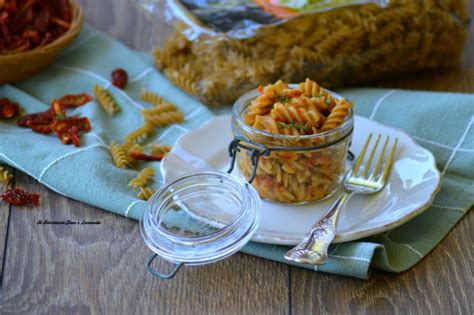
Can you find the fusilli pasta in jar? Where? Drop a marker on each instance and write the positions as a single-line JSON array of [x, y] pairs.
[[308, 131]]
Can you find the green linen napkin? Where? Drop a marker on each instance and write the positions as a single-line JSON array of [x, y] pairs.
[[442, 122]]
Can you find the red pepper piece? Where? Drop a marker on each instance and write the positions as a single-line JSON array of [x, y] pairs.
[[20, 197], [119, 78], [8, 109], [146, 157], [74, 100]]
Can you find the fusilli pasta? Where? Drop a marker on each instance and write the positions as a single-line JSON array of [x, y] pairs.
[[296, 176], [140, 134], [159, 149], [119, 156], [142, 178], [5, 176], [151, 98], [145, 193], [165, 118], [105, 100], [350, 45]]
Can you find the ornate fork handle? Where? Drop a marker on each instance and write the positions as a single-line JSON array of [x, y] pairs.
[[314, 248]]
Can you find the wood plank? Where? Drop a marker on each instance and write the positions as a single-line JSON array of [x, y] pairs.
[[99, 269], [442, 283], [4, 221]]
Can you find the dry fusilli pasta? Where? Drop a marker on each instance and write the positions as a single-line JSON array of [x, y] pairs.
[[105, 100], [145, 193], [142, 178], [140, 134], [151, 98], [119, 156], [159, 149], [347, 46], [5, 176], [165, 118]]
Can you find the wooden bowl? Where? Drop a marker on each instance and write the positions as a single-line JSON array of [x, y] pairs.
[[21, 66]]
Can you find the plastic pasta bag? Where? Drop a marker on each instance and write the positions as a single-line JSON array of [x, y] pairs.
[[221, 49]]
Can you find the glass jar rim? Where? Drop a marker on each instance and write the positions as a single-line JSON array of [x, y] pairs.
[[345, 127]]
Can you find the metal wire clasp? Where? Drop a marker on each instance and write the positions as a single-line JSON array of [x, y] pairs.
[[254, 149], [163, 276]]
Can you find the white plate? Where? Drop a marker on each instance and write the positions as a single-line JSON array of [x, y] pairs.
[[413, 184]]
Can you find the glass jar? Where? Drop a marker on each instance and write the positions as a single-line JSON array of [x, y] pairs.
[[202, 217], [299, 168]]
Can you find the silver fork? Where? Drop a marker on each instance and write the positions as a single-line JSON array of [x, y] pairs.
[[314, 247]]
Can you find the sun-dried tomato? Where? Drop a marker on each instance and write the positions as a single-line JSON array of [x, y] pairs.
[[43, 129], [119, 78], [70, 136], [62, 125], [55, 119], [146, 157], [74, 100], [8, 109], [41, 118], [58, 109], [20, 197]]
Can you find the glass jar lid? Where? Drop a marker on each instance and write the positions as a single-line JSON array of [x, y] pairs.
[[201, 217]]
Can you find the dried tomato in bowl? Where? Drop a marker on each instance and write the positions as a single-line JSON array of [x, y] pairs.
[[27, 24]]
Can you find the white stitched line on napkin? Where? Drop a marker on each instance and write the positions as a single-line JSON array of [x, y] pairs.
[[40, 177], [141, 75], [166, 132], [98, 77], [461, 140], [129, 208], [181, 128], [449, 208], [405, 244], [96, 136], [15, 130], [26, 172], [377, 105], [79, 43], [444, 146], [91, 74], [350, 257], [194, 113]]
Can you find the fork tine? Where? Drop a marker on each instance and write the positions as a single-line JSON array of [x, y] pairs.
[[371, 157], [388, 164], [358, 162], [378, 164]]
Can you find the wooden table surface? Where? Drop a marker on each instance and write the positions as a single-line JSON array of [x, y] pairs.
[[100, 269]]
